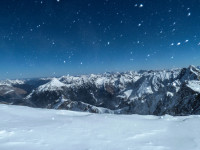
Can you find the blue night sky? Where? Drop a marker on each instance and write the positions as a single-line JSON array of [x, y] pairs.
[[41, 38]]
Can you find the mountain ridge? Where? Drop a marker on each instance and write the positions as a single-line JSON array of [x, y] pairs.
[[154, 92]]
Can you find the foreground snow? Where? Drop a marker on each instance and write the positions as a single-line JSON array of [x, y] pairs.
[[37, 129]]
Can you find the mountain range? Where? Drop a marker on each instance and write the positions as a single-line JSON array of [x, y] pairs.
[[146, 92]]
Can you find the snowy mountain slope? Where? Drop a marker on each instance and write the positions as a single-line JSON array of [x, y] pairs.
[[53, 85], [194, 85], [11, 82], [63, 103], [155, 92], [43, 129]]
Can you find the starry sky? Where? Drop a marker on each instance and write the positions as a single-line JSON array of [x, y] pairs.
[[40, 38]]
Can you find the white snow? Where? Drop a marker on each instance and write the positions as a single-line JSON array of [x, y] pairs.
[[54, 84], [194, 85], [11, 82], [9, 91], [144, 89], [37, 129], [170, 94], [128, 93], [101, 81]]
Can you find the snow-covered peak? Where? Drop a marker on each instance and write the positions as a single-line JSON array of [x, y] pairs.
[[101, 80], [11, 82], [53, 85], [194, 69], [190, 73]]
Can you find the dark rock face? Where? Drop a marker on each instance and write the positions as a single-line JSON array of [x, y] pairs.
[[11, 94], [80, 106], [174, 92]]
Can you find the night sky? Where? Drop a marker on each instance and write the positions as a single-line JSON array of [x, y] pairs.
[[41, 38]]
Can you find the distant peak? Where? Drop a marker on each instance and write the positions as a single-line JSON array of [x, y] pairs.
[[192, 67], [190, 73], [52, 85]]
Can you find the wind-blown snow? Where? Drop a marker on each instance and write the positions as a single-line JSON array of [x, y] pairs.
[[37, 129]]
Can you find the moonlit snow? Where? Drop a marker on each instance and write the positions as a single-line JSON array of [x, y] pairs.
[[42, 129]]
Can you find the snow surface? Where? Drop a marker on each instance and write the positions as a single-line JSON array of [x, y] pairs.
[[33, 129]]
